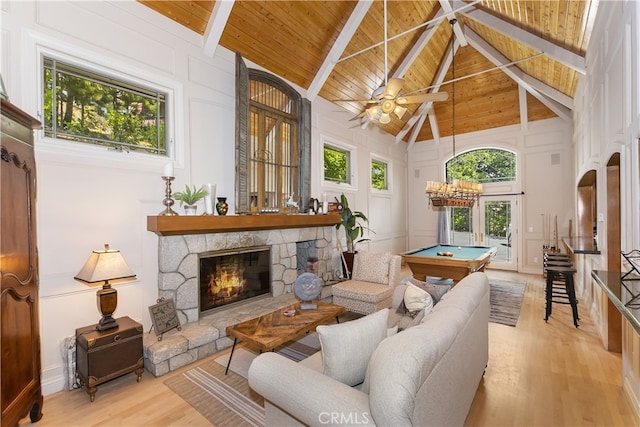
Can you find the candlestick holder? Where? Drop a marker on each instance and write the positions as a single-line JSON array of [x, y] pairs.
[[168, 200]]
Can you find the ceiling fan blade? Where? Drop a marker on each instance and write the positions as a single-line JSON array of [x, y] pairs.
[[418, 99], [393, 88], [359, 116], [365, 101]]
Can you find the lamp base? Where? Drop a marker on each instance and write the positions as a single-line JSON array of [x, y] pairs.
[[106, 323], [107, 303]]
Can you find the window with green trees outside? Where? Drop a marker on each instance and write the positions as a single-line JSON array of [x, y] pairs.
[[379, 175], [337, 163], [84, 106]]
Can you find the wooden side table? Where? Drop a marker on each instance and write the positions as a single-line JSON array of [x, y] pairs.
[[104, 355]]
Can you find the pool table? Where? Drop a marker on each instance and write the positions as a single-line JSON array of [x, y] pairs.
[[465, 260]]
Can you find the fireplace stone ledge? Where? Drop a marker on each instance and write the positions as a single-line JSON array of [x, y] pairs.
[[200, 339]]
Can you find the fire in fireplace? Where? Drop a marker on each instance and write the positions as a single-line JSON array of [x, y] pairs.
[[231, 276]]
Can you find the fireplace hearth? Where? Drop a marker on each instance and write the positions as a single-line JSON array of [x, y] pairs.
[[232, 276]]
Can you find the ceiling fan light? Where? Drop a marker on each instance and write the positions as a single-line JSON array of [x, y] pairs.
[[372, 112], [385, 118], [399, 111], [387, 106]]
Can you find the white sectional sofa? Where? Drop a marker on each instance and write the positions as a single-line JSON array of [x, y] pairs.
[[426, 375]]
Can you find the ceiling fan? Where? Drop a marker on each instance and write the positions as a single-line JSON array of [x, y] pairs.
[[387, 99]]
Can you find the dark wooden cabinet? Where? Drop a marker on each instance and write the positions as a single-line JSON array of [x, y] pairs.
[[104, 355], [20, 342]]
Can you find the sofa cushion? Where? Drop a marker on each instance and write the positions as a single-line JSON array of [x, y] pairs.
[[347, 347], [372, 267], [363, 291]]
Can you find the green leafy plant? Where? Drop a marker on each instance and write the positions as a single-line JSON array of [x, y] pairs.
[[190, 195], [353, 223]]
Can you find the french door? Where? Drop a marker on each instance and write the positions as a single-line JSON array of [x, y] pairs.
[[492, 222]]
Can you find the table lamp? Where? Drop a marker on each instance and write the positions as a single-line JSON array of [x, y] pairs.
[[103, 266]]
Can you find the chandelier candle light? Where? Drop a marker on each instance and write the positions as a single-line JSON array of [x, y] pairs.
[[459, 192]]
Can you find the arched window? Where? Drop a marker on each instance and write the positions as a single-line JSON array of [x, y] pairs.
[[483, 165], [273, 139]]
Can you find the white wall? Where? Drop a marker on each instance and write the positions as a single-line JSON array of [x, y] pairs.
[[548, 185], [607, 121], [88, 196]]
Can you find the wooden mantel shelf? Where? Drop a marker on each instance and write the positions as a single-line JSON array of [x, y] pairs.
[[201, 224]]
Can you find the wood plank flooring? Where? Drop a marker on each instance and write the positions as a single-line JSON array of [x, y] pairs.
[[539, 374]]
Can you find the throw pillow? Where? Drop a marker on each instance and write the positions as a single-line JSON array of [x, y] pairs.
[[347, 347], [416, 300], [436, 291], [372, 267]]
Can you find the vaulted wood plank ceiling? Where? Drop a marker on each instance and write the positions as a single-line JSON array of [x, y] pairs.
[[515, 60]]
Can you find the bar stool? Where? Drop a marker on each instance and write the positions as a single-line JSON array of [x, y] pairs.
[[557, 259], [560, 289]]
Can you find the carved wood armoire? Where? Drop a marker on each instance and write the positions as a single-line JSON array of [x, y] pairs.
[[20, 342]]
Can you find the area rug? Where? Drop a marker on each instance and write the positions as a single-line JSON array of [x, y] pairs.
[[227, 400], [506, 299], [296, 351]]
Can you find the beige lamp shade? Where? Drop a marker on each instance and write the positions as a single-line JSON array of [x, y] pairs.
[[103, 266]]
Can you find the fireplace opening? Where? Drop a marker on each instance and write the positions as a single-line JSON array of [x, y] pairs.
[[232, 276]]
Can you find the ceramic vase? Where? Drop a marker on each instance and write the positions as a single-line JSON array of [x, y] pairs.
[[222, 207]]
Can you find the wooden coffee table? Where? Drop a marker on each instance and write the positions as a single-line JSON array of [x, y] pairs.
[[269, 331]]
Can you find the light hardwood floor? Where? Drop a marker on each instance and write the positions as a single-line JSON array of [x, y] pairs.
[[539, 374]]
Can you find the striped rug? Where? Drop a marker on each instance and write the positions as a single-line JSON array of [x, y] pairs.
[[506, 299], [227, 400]]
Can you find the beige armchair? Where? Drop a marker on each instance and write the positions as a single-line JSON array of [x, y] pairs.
[[371, 286]]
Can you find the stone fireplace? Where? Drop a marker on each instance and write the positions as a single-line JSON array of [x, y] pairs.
[[296, 243], [179, 253]]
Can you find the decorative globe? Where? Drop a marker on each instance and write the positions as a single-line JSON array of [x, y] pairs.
[[307, 287]]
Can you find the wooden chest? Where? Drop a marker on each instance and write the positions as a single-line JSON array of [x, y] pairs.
[[104, 355]]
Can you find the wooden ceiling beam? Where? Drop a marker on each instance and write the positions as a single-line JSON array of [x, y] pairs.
[[416, 130], [420, 44], [457, 29], [359, 12], [565, 57], [517, 75], [426, 106], [215, 26]]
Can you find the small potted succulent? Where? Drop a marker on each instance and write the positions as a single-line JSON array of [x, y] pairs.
[[189, 197]]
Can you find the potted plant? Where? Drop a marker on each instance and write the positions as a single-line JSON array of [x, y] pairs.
[[189, 197], [353, 224]]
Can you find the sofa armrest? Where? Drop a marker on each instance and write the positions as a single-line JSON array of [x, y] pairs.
[[307, 395]]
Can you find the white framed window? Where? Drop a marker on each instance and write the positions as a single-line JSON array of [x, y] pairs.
[[153, 147], [339, 164], [90, 107], [380, 173]]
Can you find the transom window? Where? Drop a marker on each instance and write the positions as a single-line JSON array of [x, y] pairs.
[[483, 165], [83, 106]]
